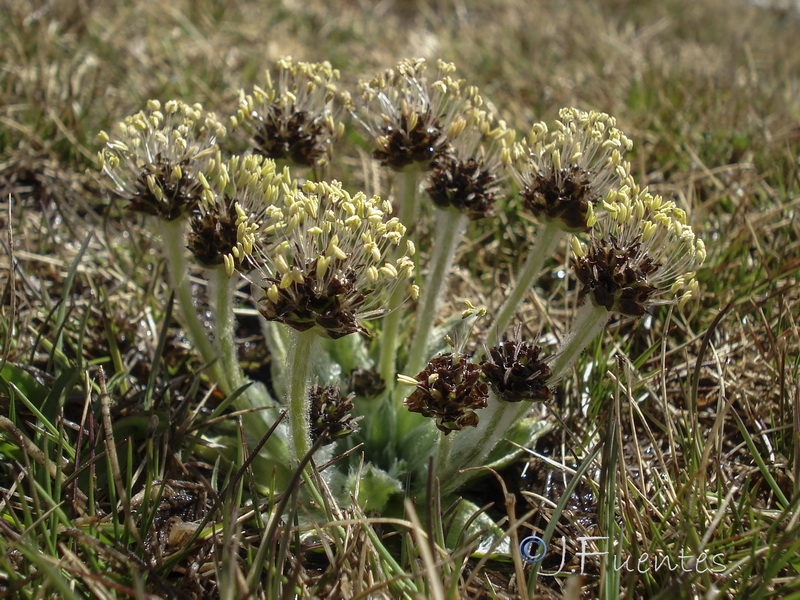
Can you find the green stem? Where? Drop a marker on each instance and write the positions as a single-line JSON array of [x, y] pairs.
[[174, 240], [407, 213], [548, 236], [443, 456], [590, 320], [450, 226], [299, 361], [473, 446], [222, 311]]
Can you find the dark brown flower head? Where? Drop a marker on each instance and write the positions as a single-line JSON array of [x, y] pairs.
[[297, 137], [212, 231], [565, 196], [464, 185], [329, 261], [232, 213], [163, 191], [562, 174], [365, 383], [613, 279], [415, 140], [408, 116], [641, 251], [158, 157], [330, 412], [468, 177], [449, 389], [331, 303], [516, 371], [297, 115]]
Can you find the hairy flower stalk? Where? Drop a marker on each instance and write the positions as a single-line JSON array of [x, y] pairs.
[[297, 116], [562, 175], [328, 268], [641, 254], [407, 190], [156, 160]]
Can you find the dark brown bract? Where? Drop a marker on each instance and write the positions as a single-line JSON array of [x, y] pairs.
[[563, 198], [615, 277], [298, 137], [330, 413], [421, 144], [176, 196], [213, 234], [516, 371], [466, 185], [302, 305], [449, 390]]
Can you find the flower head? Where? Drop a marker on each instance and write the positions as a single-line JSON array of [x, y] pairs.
[[449, 389], [564, 173], [231, 214], [329, 263], [296, 116], [157, 157], [468, 176], [330, 411], [408, 116], [365, 383], [641, 253], [516, 371]]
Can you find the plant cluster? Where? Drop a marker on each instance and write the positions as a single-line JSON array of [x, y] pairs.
[[348, 305]]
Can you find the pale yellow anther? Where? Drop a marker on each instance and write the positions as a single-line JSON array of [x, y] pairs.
[[281, 264], [687, 295], [372, 274], [414, 292], [273, 293], [406, 380], [388, 271], [556, 160], [591, 218], [322, 266], [577, 247], [291, 277]]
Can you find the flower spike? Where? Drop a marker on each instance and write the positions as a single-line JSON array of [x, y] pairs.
[[468, 177], [642, 253], [297, 115], [408, 116], [231, 217], [157, 157], [329, 264], [448, 390], [564, 173]]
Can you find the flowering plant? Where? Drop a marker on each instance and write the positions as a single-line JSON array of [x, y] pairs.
[[346, 301]]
